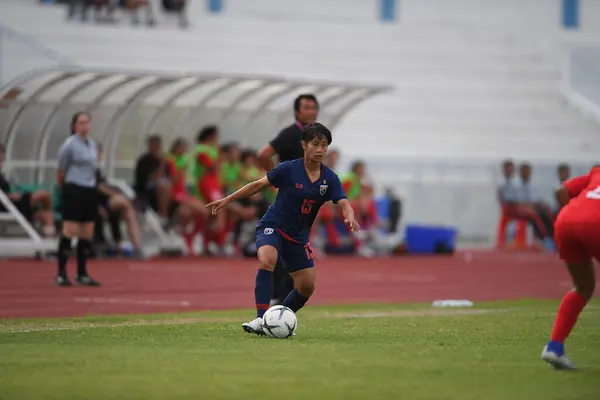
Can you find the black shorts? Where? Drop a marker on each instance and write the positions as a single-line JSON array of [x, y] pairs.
[[23, 205], [103, 201], [79, 203], [148, 199]]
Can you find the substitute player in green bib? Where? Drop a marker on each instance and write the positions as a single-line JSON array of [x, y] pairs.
[[208, 183]]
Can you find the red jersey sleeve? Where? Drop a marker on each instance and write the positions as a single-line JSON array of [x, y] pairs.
[[205, 160], [172, 167], [577, 185], [347, 186]]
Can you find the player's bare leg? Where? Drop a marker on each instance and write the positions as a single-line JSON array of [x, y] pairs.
[[263, 289], [584, 280], [304, 282]]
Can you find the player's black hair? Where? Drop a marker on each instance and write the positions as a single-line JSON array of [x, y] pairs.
[[563, 167], [316, 131], [304, 96], [507, 163], [177, 143], [247, 153], [525, 165], [356, 164], [154, 138], [75, 118], [207, 133]]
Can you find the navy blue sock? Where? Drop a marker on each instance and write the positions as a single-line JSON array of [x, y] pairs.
[[295, 300], [263, 291]]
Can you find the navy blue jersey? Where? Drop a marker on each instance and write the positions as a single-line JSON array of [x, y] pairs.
[[299, 200]]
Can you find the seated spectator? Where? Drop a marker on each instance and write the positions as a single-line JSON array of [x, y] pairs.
[[230, 167], [331, 159], [177, 7], [371, 241], [250, 170], [115, 207], [352, 182], [99, 5], [245, 214], [208, 188], [189, 208], [564, 174], [152, 182], [133, 6], [509, 198], [395, 211], [530, 196], [36, 206]]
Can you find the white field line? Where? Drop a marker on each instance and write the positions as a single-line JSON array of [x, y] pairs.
[[140, 302], [199, 320], [424, 312]]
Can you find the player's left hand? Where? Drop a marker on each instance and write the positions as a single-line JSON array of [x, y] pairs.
[[352, 225]]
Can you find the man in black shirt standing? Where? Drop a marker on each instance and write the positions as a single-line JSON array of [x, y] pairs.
[[287, 146]]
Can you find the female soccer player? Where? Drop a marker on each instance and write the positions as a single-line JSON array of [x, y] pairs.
[[304, 186], [577, 230]]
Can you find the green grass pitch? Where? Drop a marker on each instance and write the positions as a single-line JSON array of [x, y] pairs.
[[491, 352]]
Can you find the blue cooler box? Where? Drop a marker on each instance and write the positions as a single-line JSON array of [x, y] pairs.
[[422, 239]]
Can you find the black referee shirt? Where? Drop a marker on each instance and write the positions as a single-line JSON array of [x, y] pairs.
[[288, 143]]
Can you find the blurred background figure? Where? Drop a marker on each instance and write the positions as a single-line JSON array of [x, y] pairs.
[[114, 208], [152, 181]]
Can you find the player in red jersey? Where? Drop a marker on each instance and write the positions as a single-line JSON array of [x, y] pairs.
[[577, 235], [189, 207]]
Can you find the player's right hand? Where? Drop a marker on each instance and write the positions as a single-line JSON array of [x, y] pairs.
[[352, 225], [217, 205]]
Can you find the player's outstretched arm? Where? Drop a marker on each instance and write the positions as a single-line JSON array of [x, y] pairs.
[[247, 191], [348, 214]]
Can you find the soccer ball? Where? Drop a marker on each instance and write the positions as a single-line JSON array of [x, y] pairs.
[[279, 322]]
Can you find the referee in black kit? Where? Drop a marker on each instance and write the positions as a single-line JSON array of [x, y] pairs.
[[76, 177], [287, 146]]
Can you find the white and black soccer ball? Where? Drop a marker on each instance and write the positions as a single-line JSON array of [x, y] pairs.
[[279, 322]]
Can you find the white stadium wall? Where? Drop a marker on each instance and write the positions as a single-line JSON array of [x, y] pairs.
[[475, 82], [531, 15]]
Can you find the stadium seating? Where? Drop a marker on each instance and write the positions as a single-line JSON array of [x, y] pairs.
[[462, 92]]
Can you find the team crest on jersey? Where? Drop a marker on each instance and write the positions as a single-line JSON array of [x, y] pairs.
[[268, 231], [323, 189]]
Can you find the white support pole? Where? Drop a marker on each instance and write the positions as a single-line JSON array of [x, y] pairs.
[[35, 237]]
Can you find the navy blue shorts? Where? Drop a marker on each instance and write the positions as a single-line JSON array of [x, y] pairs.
[[295, 256]]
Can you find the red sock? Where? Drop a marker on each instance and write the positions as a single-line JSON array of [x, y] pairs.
[[222, 237], [189, 241], [332, 234], [568, 312]]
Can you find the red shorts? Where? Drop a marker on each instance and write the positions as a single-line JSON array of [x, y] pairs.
[[210, 190], [578, 242], [181, 197]]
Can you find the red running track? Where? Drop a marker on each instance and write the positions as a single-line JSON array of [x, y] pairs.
[[179, 285]]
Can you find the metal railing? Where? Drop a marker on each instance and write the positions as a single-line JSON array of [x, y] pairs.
[[122, 116], [12, 46]]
